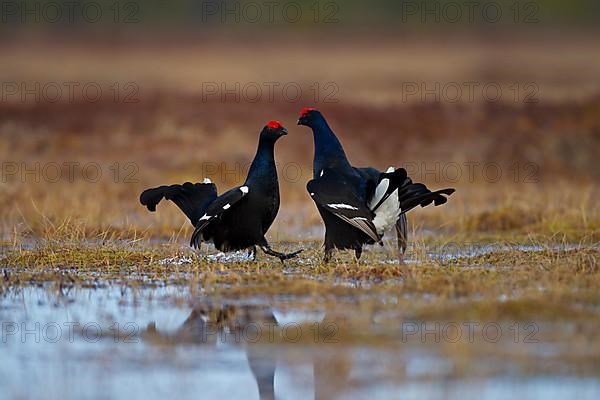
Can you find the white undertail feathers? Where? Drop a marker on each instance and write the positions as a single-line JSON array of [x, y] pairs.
[[388, 212]]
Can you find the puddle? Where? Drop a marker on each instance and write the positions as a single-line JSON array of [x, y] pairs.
[[166, 342], [453, 251]]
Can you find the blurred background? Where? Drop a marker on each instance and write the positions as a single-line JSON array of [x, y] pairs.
[[101, 99]]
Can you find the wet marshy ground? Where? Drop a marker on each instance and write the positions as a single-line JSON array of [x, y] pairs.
[[471, 324]]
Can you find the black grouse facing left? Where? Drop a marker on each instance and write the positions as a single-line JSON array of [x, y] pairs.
[[359, 204], [240, 217]]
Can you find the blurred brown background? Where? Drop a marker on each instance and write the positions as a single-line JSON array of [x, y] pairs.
[[498, 99]]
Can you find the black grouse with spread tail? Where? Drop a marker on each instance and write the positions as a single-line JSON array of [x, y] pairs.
[[240, 217], [359, 204]]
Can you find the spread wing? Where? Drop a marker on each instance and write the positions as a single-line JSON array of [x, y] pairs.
[[223, 203], [191, 198], [339, 198]]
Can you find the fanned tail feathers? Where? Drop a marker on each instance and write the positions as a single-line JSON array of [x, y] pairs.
[[417, 194]]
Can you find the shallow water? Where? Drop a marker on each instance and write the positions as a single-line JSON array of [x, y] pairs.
[[117, 342]]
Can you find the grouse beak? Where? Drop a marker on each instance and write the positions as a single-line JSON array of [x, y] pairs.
[[284, 131], [299, 121]]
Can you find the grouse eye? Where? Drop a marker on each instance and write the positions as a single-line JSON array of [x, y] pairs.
[[274, 124]]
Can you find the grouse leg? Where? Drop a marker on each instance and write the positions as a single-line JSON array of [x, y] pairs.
[[402, 233], [328, 254], [282, 256], [358, 253]]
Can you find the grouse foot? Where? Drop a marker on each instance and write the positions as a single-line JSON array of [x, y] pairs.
[[282, 256]]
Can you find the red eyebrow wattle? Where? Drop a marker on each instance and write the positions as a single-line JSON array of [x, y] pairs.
[[274, 124], [306, 110]]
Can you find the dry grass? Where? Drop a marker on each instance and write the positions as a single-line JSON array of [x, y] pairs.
[[563, 197], [546, 151]]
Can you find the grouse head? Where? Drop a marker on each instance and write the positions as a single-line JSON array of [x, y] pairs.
[[308, 116], [273, 131]]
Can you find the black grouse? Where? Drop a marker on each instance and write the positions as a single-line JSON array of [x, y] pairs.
[[359, 204], [240, 217]]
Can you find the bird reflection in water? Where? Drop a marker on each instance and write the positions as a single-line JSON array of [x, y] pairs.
[[256, 330]]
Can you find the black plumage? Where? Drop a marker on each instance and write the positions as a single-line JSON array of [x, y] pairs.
[[359, 204], [240, 217], [191, 198]]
